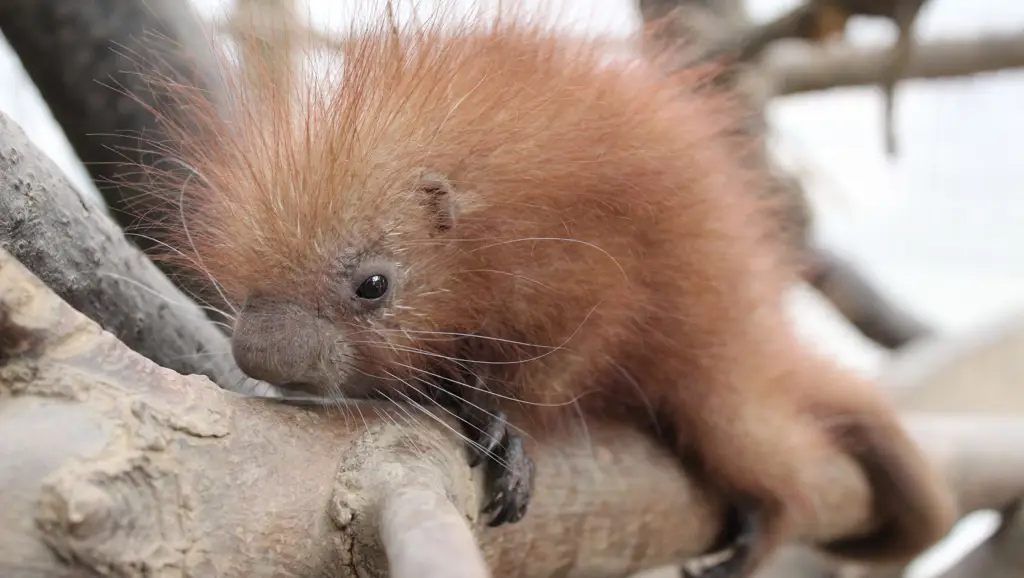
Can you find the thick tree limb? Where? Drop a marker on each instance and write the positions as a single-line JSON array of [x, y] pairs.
[[973, 372], [812, 69], [117, 465], [81, 254]]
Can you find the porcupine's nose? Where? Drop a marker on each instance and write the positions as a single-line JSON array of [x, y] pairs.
[[281, 343]]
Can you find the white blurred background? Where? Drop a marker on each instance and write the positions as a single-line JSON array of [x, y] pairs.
[[934, 227]]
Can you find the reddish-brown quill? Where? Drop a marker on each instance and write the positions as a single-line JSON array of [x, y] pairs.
[[577, 228]]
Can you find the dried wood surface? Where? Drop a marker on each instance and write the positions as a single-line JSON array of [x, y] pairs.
[[124, 468]]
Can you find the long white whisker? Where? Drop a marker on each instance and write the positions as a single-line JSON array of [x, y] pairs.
[[431, 415], [195, 263], [487, 391], [188, 235], [566, 240], [452, 413], [359, 410], [407, 349], [456, 334], [466, 401], [509, 273], [640, 392], [166, 298], [449, 392], [410, 418]]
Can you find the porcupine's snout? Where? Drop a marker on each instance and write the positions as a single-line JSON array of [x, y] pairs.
[[285, 345]]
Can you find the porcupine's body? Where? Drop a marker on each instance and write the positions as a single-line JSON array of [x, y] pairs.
[[495, 202]]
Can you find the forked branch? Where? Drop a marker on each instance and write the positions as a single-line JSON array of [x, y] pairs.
[[111, 463], [78, 251]]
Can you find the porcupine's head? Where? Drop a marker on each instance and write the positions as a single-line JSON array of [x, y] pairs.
[[442, 196]]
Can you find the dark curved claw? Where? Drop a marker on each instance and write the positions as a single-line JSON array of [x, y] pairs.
[[739, 537], [512, 483]]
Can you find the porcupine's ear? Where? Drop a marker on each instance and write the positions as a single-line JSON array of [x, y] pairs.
[[439, 198]]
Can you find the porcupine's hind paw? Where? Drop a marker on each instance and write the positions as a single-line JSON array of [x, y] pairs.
[[732, 553], [510, 471]]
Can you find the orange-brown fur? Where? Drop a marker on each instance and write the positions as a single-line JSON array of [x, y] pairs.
[[604, 229]]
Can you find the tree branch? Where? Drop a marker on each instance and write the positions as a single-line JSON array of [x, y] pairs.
[[861, 303], [85, 57], [130, 474], [76, 249], [813, 69], [817, 20], [76, 52], [976, 371]]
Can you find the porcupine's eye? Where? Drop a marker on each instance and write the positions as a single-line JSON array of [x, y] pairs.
[[373, 287]]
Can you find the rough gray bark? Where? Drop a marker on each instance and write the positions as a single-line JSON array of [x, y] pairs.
[[85, 57], [70, 243], [112, 466]]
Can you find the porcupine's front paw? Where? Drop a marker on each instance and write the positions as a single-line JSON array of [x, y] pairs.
[[733, 552], [510, 471]]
